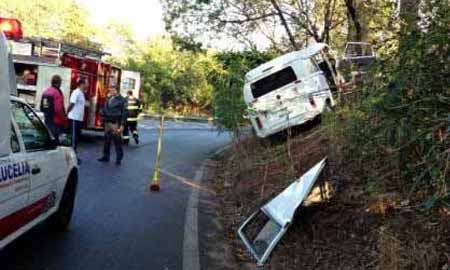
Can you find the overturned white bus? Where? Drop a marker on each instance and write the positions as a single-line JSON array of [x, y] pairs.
[[291, 90]]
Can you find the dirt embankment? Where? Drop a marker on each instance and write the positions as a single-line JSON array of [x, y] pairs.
[[354, 229]]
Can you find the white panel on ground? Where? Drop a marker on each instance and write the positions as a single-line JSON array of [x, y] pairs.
[[264, 229]]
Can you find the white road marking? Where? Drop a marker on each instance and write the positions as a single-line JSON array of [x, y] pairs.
[[191, 256]]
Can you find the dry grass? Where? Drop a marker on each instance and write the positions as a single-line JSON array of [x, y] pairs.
[[353, 230], [407, 251]]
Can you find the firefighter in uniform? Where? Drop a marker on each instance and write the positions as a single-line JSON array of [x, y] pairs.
[[114, 113], [134, 108]]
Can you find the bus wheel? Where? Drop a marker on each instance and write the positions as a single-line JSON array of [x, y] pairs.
[[328, 107]]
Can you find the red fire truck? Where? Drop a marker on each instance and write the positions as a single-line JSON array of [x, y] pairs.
[[37, 60]]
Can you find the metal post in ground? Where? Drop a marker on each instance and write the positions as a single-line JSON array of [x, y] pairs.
[[156, 179]]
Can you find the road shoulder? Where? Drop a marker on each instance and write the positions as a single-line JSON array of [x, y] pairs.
[[191, 259], [215, 251]]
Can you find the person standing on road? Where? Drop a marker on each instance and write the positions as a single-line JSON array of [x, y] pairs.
[[114, 113], [76, 111], [134, 108], [52, 105]]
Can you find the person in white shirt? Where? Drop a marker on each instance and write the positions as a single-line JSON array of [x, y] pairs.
[[76, 111]]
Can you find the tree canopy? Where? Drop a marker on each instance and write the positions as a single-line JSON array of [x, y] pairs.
[[59, 19], [281, 24]]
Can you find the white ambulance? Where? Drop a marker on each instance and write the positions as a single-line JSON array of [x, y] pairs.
[[38, 177], [291, 89], [130, 81]]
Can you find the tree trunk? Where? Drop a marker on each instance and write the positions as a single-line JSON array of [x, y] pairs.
[[285, 24], [328, 19], [353, 14], [409, 10]]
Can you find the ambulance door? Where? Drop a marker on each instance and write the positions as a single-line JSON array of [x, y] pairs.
[[47, 162], [6, 89], [45, 74], [15, 175]]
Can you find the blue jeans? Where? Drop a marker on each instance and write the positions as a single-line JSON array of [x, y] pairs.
[[112, 135], [75, 131]]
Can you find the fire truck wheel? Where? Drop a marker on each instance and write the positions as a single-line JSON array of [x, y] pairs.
[[60, 220]]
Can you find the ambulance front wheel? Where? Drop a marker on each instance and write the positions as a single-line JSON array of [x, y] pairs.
[[61, 219]]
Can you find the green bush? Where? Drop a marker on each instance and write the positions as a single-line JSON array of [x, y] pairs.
[[398, 132], [228, 84]]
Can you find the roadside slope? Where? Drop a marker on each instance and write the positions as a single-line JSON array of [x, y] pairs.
[[355, 229]]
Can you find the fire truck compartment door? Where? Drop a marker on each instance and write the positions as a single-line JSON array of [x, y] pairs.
[[5, 92], [45, 74]]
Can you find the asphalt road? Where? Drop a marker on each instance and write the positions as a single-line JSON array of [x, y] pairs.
[[117, 223]]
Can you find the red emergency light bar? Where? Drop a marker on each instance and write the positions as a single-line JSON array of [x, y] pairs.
[[12, 28]]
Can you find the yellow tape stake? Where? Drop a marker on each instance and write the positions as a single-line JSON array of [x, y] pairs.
[[154, 186]]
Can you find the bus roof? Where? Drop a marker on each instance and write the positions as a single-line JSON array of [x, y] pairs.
[[279, 62]]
